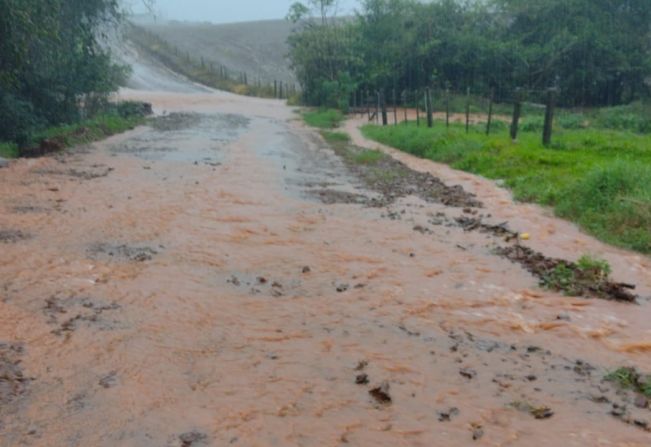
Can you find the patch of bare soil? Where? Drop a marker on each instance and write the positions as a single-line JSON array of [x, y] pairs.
[[175, 121], [331, 196], [121, 252], [393, 180]]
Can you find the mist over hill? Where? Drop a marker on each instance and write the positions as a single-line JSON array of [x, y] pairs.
[[256, 48]]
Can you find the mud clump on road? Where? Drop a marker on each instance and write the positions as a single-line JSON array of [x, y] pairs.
[[394, 180], [12, 381], [175, 121], [193, 439], [571, 278], [13, 236], [121, 252], [476, 224], [381, 394], [67, 314], [92, 173], [331, 196]]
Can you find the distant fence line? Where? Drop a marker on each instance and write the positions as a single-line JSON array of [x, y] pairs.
[[382, 107], [210, 72]]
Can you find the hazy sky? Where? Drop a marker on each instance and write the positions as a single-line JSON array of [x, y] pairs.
[[224, 11]]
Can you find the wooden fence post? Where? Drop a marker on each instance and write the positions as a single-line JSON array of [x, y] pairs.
[[416, 97], [549, 117], [517, 110], [404, 105], [367, 100], [467, 109], [428, 107], [490, 113], [385, 118], [377, 108], [447, 107], [395, 108]]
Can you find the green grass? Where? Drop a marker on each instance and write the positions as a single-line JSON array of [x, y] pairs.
[[335, 137], [598, 178], [573, 281], [368, 157], [323, 118], [630, 378], [8, 150], [90, 130]]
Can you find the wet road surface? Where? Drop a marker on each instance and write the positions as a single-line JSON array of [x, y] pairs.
[[188, 283]]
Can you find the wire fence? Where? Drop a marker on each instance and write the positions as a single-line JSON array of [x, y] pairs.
[[425, 106]]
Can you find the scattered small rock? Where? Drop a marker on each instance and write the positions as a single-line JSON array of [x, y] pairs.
[[447, 415], [110, 380], [361, 365], [3, 163], [342, 288], [381, 393], [468, 373], [306, 269], [477, 431], [362, 379], [618, 410], [192, 439], [542, 412], [641, 401]]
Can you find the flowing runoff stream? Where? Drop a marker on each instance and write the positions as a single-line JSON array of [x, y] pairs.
[[202, 281]]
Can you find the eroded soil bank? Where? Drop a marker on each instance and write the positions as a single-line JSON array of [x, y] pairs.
[[222, 277]]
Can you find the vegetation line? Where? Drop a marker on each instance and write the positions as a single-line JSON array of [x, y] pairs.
[[600, 179]]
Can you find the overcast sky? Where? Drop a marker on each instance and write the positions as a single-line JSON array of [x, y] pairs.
[[225, 11]]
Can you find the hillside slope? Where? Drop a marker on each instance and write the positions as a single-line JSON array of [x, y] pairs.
[[256, 48]]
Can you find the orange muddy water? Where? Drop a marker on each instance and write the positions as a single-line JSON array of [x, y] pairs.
[[182, 285]]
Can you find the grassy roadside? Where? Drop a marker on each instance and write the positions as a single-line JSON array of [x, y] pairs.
[[8, 150], [599, 178], [60, 137], [323, 118]]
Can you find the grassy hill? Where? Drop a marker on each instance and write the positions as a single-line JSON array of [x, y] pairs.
[[256, 48]]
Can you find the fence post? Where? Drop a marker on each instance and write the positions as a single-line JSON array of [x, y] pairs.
[[404, 105], [517, 110], [467, 109], [367, 100], [490, 113], [395, 108], [385, 118], [275, 89], [416, 97], [549, 117], [377, 108], [428, 107], [447, 107]]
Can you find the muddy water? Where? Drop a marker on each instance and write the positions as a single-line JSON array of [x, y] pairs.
[[183, 285]]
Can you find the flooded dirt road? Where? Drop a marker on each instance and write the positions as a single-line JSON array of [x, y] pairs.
[[220, 277]]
